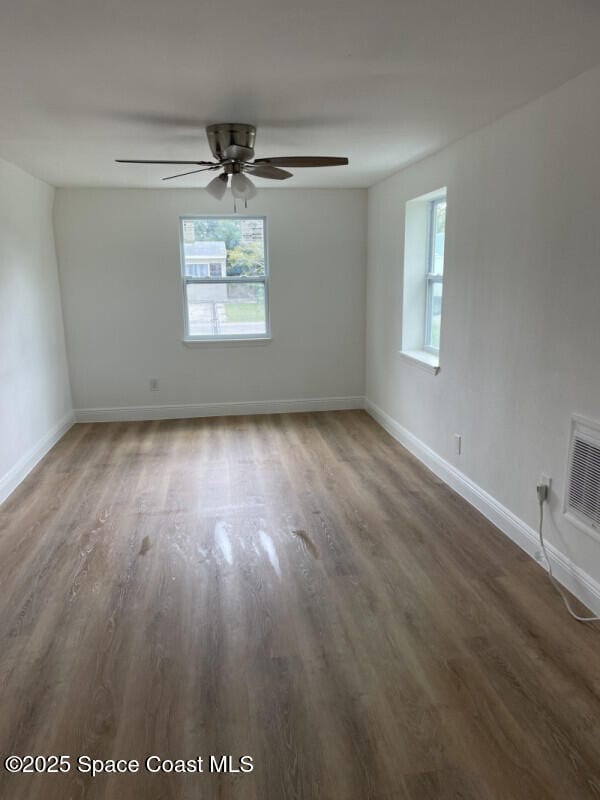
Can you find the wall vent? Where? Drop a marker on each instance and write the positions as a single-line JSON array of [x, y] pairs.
[[582, 502]]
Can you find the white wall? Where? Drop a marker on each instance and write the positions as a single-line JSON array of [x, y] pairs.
[[35, 402], [520, 348], [120, 275]]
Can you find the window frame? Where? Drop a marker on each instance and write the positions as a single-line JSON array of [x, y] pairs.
[[236, 279], [431, 277]]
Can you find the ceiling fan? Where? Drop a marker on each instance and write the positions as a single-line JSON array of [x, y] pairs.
[[232, 145]]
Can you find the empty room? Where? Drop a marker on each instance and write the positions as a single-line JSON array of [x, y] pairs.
[[300, 400]]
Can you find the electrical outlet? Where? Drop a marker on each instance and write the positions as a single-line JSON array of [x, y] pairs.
[[153, 382], [457, 444], [543, 488]]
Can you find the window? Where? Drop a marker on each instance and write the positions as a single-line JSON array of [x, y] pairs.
[[225, 278], [435, 273], [197, 270], [423, 278]]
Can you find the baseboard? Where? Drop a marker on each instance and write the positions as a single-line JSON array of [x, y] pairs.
[[186, 411], [576, 580], [17, 473]]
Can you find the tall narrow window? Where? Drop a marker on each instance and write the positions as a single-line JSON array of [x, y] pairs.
[[423, 279], [225, 277], [435, 273]]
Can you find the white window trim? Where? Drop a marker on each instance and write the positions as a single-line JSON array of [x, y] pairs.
[[416, 297], [264, 279], [430, 362], [431, 278], [226, 342]]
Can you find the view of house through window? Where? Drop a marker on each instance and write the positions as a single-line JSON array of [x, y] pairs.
[[435, 273], [225, 277]]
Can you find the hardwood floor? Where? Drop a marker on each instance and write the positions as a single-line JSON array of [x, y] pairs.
[[296, 588]]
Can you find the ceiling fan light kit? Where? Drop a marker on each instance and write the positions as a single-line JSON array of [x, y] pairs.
[[232, 145], [218, 186], [242, 187]]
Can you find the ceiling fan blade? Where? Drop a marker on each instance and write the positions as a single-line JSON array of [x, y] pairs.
[[193, 172], [303, 161], [267, 171], [238, 152], [142, 161]]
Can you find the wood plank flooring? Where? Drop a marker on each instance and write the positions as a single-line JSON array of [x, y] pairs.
[[296, 588]]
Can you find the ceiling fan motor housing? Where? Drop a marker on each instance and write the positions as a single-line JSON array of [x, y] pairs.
[[225, 134]]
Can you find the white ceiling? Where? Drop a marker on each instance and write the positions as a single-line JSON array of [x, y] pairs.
[[384, 82]]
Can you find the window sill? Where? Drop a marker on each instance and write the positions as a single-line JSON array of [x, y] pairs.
[[422, 359], [259, 340]]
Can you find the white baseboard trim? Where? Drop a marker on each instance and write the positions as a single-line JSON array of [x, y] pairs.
[[19, 471], [185, 411], [576, 580]]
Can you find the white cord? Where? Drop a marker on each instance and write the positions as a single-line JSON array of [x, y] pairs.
[[556, 584]]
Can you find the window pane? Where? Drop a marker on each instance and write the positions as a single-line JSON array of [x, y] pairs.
[[231, 246], [226, 309], [196, 270], [434, 289], [438, 234]]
